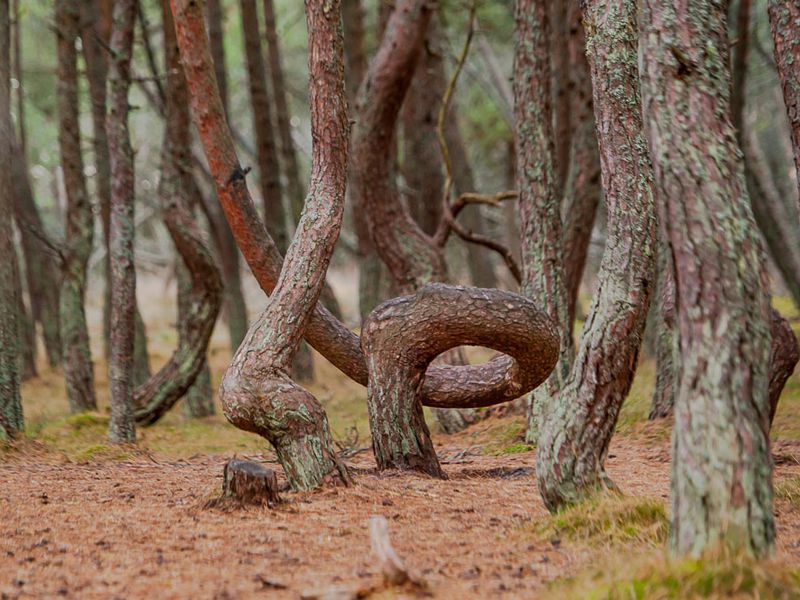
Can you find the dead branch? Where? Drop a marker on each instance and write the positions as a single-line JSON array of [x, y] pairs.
[[394, 572]]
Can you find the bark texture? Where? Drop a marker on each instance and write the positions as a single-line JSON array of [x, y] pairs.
[[79, 229], [121, 426], [256, 393], [574, 439], [722, 471], [539, 204], [160, 393], [784, 20], [199, 399], [667, 345], [475, 386], [11, 422], [444, 317]]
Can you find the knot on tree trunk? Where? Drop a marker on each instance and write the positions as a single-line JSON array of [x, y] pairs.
[[404, 335]]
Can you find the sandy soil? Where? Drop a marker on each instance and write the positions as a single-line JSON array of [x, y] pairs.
[[139, 529]]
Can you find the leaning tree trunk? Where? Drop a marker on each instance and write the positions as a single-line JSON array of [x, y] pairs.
[[722, 471], [159, 394], [121, 426], [539, 204], [78, 368], [11, 423], [574, 439], [256, 392]]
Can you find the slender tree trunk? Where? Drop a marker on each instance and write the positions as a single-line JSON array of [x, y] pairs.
[[784, 20], [558, 51], [26, 329], [78, 368], [96, 38], [722, 472], [582, 190], [574, 439], [667, 343], [539, 204], [256, 393], [199, 400], [216, 39], [160, 393], [11, 421], [266, 148], [121, 426]]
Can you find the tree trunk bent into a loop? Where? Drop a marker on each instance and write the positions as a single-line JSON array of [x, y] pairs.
[[402, 336]]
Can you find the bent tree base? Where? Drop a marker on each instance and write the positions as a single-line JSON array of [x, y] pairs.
[[404, 335]]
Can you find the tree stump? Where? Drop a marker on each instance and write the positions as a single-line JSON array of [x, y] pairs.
[[250, 483]]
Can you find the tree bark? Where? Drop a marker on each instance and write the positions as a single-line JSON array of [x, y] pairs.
[[26, 329], [574, 439], [266, 147], [199, 399], [557, 54], [667, 343], [11, 421], [582, 190], [722, 472], [216, 40], [539, 205], [784, 20], [96, 38], [443, 317], [121, 426], [444, 386], [256, 393], [78, 368]]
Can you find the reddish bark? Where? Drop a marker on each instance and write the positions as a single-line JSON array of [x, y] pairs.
[[121, 427], [160, 393], [475, 386]]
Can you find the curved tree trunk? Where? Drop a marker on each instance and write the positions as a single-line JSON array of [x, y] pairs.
[[722, 496], [199, 399], [11, 422], [159, 394], [78, 368], [444, 317], [256, 392], [121, 427], [539, 205], [576, 432]]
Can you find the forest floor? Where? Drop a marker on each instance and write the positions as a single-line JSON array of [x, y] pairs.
[[80, 519]]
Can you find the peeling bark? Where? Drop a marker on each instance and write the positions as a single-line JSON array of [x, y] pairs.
[[444, 317], [722, 471], [78, 368], [574, 439]]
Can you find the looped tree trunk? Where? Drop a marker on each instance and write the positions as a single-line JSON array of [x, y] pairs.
[[402, 336]]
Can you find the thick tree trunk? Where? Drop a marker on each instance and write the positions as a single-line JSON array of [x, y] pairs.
[[256, 393], [582, 190], [11, 422], [444, 317], [576, 432], [722, 472], [539, 205], [78, 368], [121, 426], [160, 393], [96, 38], [784, 20]]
